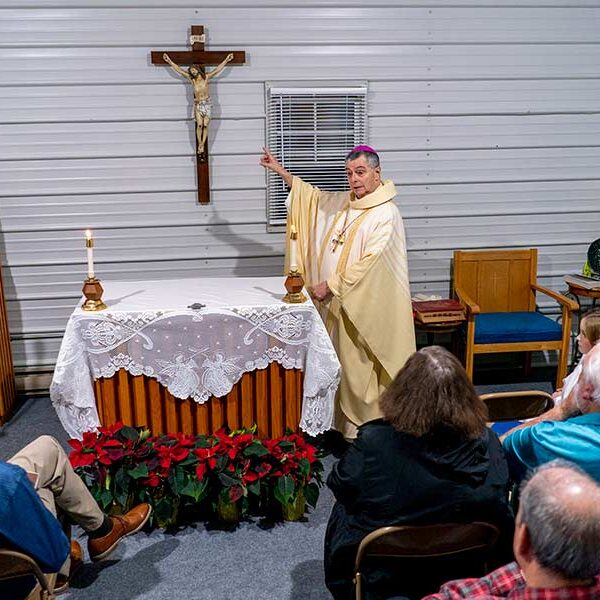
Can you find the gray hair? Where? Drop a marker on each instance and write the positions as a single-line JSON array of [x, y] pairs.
[[565, 538], [371, 158]]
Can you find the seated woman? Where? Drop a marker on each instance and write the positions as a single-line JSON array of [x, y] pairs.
[[430, 459]]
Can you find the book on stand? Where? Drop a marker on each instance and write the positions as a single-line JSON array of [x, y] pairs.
[[432, 311], [588, 283]]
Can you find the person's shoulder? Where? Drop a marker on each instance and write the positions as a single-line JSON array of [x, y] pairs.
[[540, 433], [372, 430], [11, 476]]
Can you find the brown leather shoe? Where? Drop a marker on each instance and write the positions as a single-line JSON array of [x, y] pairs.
[[129, 523], [62, 581]]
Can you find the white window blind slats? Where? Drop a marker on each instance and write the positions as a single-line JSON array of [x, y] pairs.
[[310, 130]]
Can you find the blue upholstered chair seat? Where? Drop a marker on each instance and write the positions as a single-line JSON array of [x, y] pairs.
[[507, 327]]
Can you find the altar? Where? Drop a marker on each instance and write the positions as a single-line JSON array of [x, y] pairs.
[[194, 355]]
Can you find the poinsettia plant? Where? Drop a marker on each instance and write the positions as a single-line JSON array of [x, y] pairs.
[[121, 464], [108, 461], [296, 469], [238, 466]]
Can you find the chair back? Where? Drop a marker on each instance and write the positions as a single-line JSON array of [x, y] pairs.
[[497, 280], [14, 565], [426, 547], [513, 406]]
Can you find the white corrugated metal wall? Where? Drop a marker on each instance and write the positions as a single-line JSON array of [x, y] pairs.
[[486, 113]]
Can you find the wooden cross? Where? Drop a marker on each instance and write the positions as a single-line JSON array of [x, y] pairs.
[[199, 58]]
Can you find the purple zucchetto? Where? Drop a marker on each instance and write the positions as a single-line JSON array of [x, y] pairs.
[[363, 148]]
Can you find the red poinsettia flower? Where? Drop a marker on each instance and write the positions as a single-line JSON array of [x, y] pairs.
[[153, 480], [200, 471], [80, 456], [179, 453], [187, 441], [112, 429], [249, 477], [263, 469], [235, 493], [208, 455]]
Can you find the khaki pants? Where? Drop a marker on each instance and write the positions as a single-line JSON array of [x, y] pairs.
[[61, 491]]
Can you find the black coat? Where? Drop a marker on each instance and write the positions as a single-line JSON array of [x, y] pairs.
[[391, 478]]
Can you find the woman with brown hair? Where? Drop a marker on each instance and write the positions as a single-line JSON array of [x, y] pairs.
[[430, 459]]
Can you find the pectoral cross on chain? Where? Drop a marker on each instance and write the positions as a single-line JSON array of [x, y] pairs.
[[337, 240]]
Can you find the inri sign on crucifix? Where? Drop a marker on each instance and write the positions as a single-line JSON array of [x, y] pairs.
[[198, 58]]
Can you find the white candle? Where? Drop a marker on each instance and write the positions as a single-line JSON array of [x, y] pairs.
[[293, 242], [89, 244]]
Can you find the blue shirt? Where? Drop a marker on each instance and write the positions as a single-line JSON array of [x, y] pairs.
[[577, 440], [26, 524]]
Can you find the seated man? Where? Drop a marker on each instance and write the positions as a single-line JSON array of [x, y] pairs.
[[556, 543], [570, 431], [37, 483]]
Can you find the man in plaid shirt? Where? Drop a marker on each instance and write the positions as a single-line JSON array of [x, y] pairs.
[[556, 543]]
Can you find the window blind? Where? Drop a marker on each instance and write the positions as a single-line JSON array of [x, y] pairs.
[[310, 130]]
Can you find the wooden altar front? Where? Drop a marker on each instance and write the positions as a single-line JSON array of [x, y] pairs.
[[269, 397]]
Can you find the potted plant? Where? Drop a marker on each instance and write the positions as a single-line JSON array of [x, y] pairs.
[[106, 460], [169, 475], [236, 468], [296, 474]]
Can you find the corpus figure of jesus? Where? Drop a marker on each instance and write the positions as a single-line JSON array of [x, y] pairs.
[[202, 103]]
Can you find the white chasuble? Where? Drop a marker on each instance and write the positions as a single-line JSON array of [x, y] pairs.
[[358, 246]]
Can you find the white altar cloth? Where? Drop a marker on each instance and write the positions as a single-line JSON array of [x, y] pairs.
[[150, 329]]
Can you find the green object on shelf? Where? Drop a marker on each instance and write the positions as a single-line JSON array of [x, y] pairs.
[[587, 270]]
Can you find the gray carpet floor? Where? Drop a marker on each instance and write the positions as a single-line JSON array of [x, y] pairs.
[[255, 561]]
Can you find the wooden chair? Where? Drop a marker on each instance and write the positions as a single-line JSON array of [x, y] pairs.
[[514, 406], [497, 289], [421, 547], [14, 565]]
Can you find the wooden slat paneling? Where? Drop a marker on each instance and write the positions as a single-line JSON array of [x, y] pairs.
[[485, 113]]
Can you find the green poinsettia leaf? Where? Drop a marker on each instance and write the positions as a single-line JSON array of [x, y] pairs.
[[129, 433], [222, 462], [121, 499], [227, 481], [139, 471], [255, 449], [121, 480], [284, 490], [105, 498], [304, 467], [311, 494], [254, 488], [163, 508], [190, 460], [177, 479], [195, 489], [286, 446]]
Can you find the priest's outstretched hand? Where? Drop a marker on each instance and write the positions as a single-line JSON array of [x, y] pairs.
[[268, 161]]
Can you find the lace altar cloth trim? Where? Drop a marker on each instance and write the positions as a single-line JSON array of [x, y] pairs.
[[194, 354]]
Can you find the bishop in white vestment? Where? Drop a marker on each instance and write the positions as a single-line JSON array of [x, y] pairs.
[[352, 254]]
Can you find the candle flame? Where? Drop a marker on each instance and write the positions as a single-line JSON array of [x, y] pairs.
[[293, 232], [88, 234]]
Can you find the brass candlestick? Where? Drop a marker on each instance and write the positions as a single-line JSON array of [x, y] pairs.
[[92, 290], [294, 284]]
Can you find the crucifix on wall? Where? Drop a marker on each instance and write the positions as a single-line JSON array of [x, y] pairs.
[[197, 75]]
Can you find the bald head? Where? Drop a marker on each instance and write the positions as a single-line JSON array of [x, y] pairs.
[[560, 505]]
